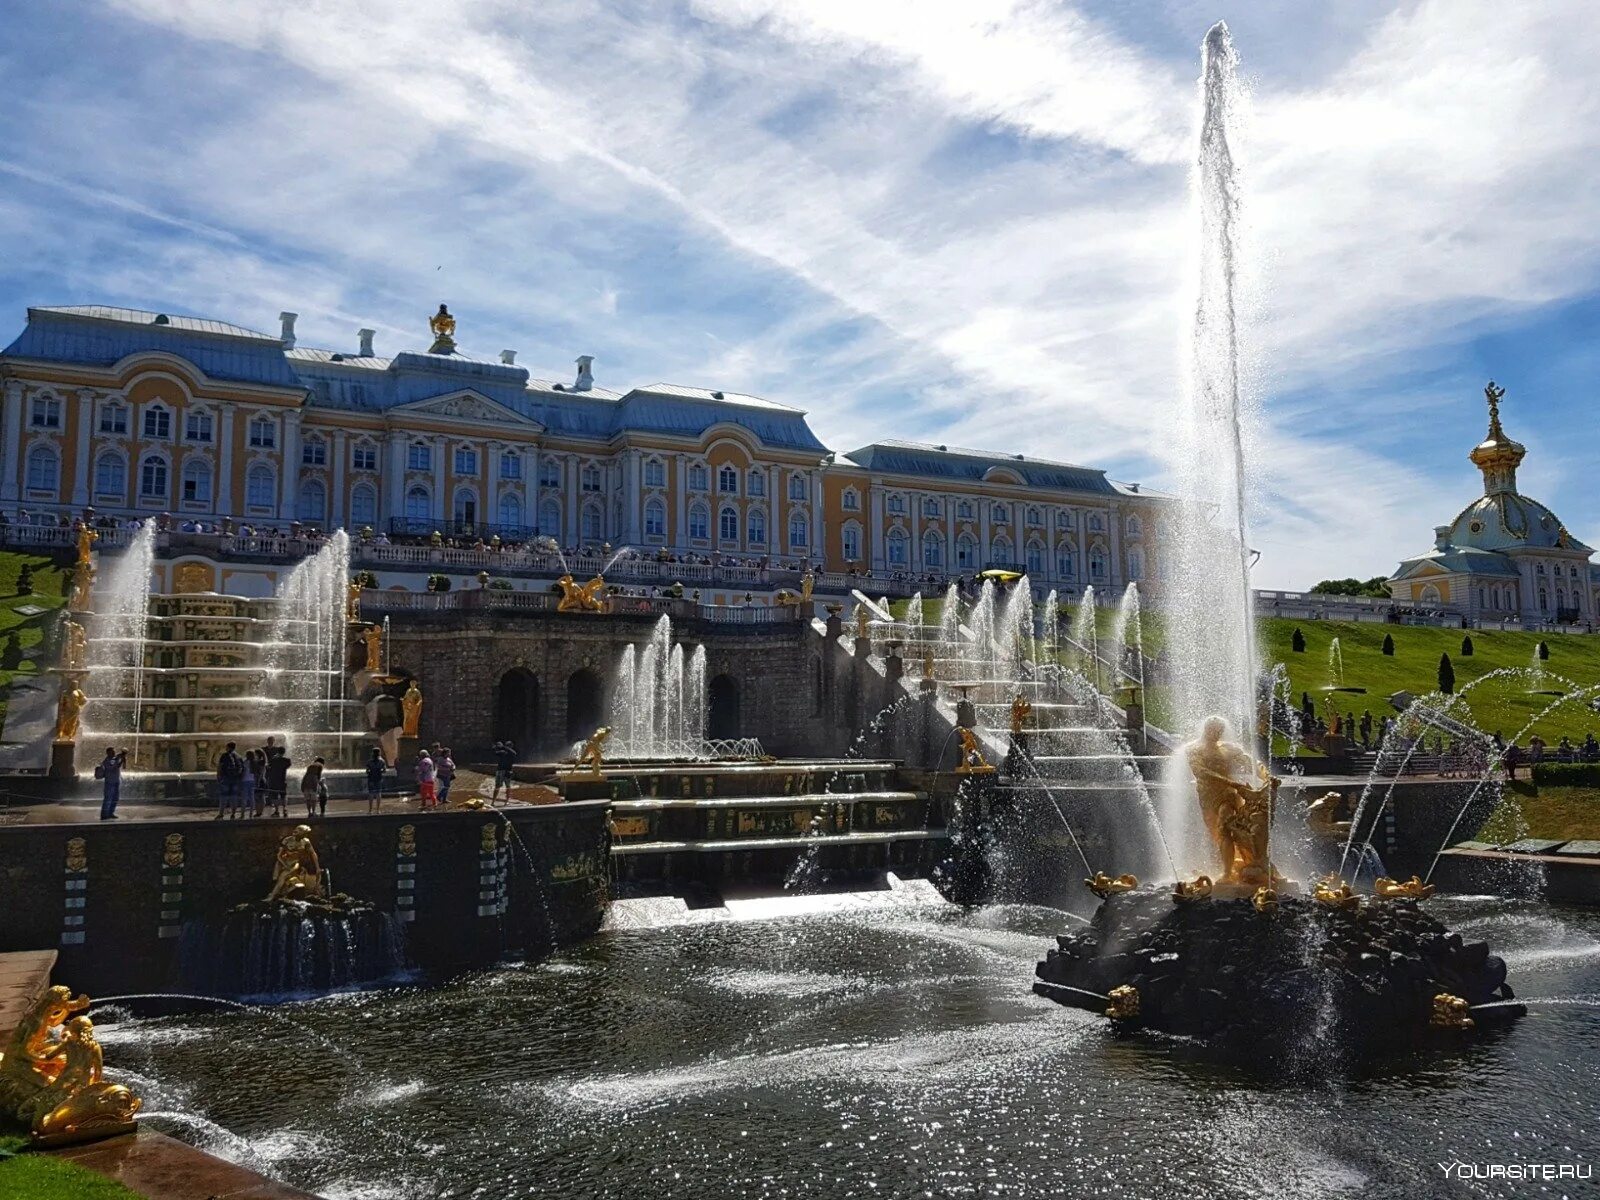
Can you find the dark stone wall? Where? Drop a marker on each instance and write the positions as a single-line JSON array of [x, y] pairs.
[[126, 933]]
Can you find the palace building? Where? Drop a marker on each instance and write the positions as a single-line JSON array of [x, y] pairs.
[[136, 414], [1506, 557]]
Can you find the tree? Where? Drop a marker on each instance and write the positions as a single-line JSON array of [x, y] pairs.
[[1388, 644], [1544, 651], [1376, 586], [1447, 675], [1298, 642], [1466, 646]]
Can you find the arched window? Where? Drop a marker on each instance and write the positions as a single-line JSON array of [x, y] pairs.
[[419, 505], [1135, 527], [153, 476], [932, 550], [110, 475], [757, 527], [1430, 594], [1135, 564], [799, 531], [697, 477], [655, 473], [464, 508], [728, 524], [699, 522], [197, 481], [1035, 559], [1000, 550], [550, 518], [728, 481], [509, 515], [655, 519], [852, 500], [1544, 600], [260, 488], [363, 505], [158, 422], [1065, 566], [44, 469], [1097, 563], [313, 504], [797, 486], [850, 542], [758, 482], [897, 547], [510, 464], [594, 524], [966, 552], [314, 452]]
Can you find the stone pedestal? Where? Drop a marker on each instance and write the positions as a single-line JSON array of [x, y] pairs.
[[966, 713], [63, 760], [863, 648], [406, 750], [894, 667]]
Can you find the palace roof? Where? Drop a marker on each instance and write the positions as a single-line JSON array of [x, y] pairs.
[[947, 462]]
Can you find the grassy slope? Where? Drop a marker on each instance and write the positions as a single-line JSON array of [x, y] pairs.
[[49, 581], [1549, 811], [40, 1178]]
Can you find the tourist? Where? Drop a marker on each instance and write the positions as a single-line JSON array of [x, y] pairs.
[[1536, 749], [230, 775], [109, 772], [276, 776], [444, 770], [1565, 751], [424, 772], [313, 790], [1366, 729], [248, 783], [377, 767], [1513, 759], [505, 758], [1591, 748]]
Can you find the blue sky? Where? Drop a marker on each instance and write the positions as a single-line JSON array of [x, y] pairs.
[[957, 222]]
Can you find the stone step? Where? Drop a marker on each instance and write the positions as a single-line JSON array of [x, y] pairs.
[[797, 842]]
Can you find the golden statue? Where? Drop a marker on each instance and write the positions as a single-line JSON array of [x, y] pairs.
[[298, 872], [1411, 889], [593, 753], [1450, 1012], [972, 760], [586, 597], [1265, 900], [75, 647], [352, 601], [1237, 812], [1020, 710], [82, 585], [373, 637], [411, 710], [807, 582], [1198, 890], [1123, 1003], [86, 540], [443, 327], [69, 712], [862, 619], [1103, 885], [58, 1088], [1335, 893], [927, 664]]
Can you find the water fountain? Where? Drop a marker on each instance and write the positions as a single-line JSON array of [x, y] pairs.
[[658, 704]]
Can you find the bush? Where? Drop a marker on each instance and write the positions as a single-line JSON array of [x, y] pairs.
[[1466, 647], [500, 585], [1388, 644], [1544, 651], [1298, 642], [366, 579], [438, 583], [1447, 675], [1567, 774]]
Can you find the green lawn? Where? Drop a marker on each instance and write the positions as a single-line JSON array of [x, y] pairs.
[[1546, 811], [37, 1177], [50, 579]]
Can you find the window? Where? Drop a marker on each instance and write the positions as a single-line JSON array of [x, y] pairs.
[[728, 481], [932, 550], [549, 474], [897, 504], [1097, 564], [364, 457], [1035, 559], [196, 482], [1065, 519], [897, 547], [728, 524], [850, 543], [758, 482], [46, 413], [589, 480], [697, 477], [153, 477], [655, 473], [966, 553], [699, 523], [158, 422], [799, 531], [550, 518], [419, 505], [1135, 527], [313, 502], [510, 464], [1033, 516], [931, 507], [1096, 524], [1001, 552], [510, 514], [852, 500], [465, 509], [419, 457], [655, 519], [964, 510], [263, 433], [757, 527], [1064, 563], [797, 486], [114, 418], [110, 477], [1135, 564], [197, 426], [594, 524], [1001, 514], [363, 505], [466, 460], [260, 488], [44, 469], [314, 452]]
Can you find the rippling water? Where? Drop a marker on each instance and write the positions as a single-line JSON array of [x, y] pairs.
[[878, 1053]]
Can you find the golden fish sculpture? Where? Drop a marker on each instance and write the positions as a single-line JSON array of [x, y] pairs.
[[1335, 893], [1103, 885], [1411, 889], [1450, 1012], [1198, 889]]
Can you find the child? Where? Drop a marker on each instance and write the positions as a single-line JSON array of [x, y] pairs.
[[425, 775], [376, 767], [445, 771], [311, 787], [249, 783]]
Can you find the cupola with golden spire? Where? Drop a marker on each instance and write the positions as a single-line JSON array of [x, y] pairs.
[[1497, 456]]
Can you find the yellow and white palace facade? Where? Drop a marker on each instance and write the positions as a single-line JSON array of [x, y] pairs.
[[136, 414]]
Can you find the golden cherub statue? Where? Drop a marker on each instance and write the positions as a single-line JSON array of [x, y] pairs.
[[593, 753], [1020, 711], [1103, 885], [373, 637], [298, 872], [352, 601], [86, 539], [862, 620], [586, 597], [807, 582], [443, 327], [82, 585], [58, 1088], [1334, 892], [927, 664], [1237, 812], [1411, 889], [69, 712], [1199, 889], [972, 760], [1265, 900], [75, 647], [411, 710]]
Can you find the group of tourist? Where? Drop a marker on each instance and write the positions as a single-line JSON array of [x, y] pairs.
[[251, 783]]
